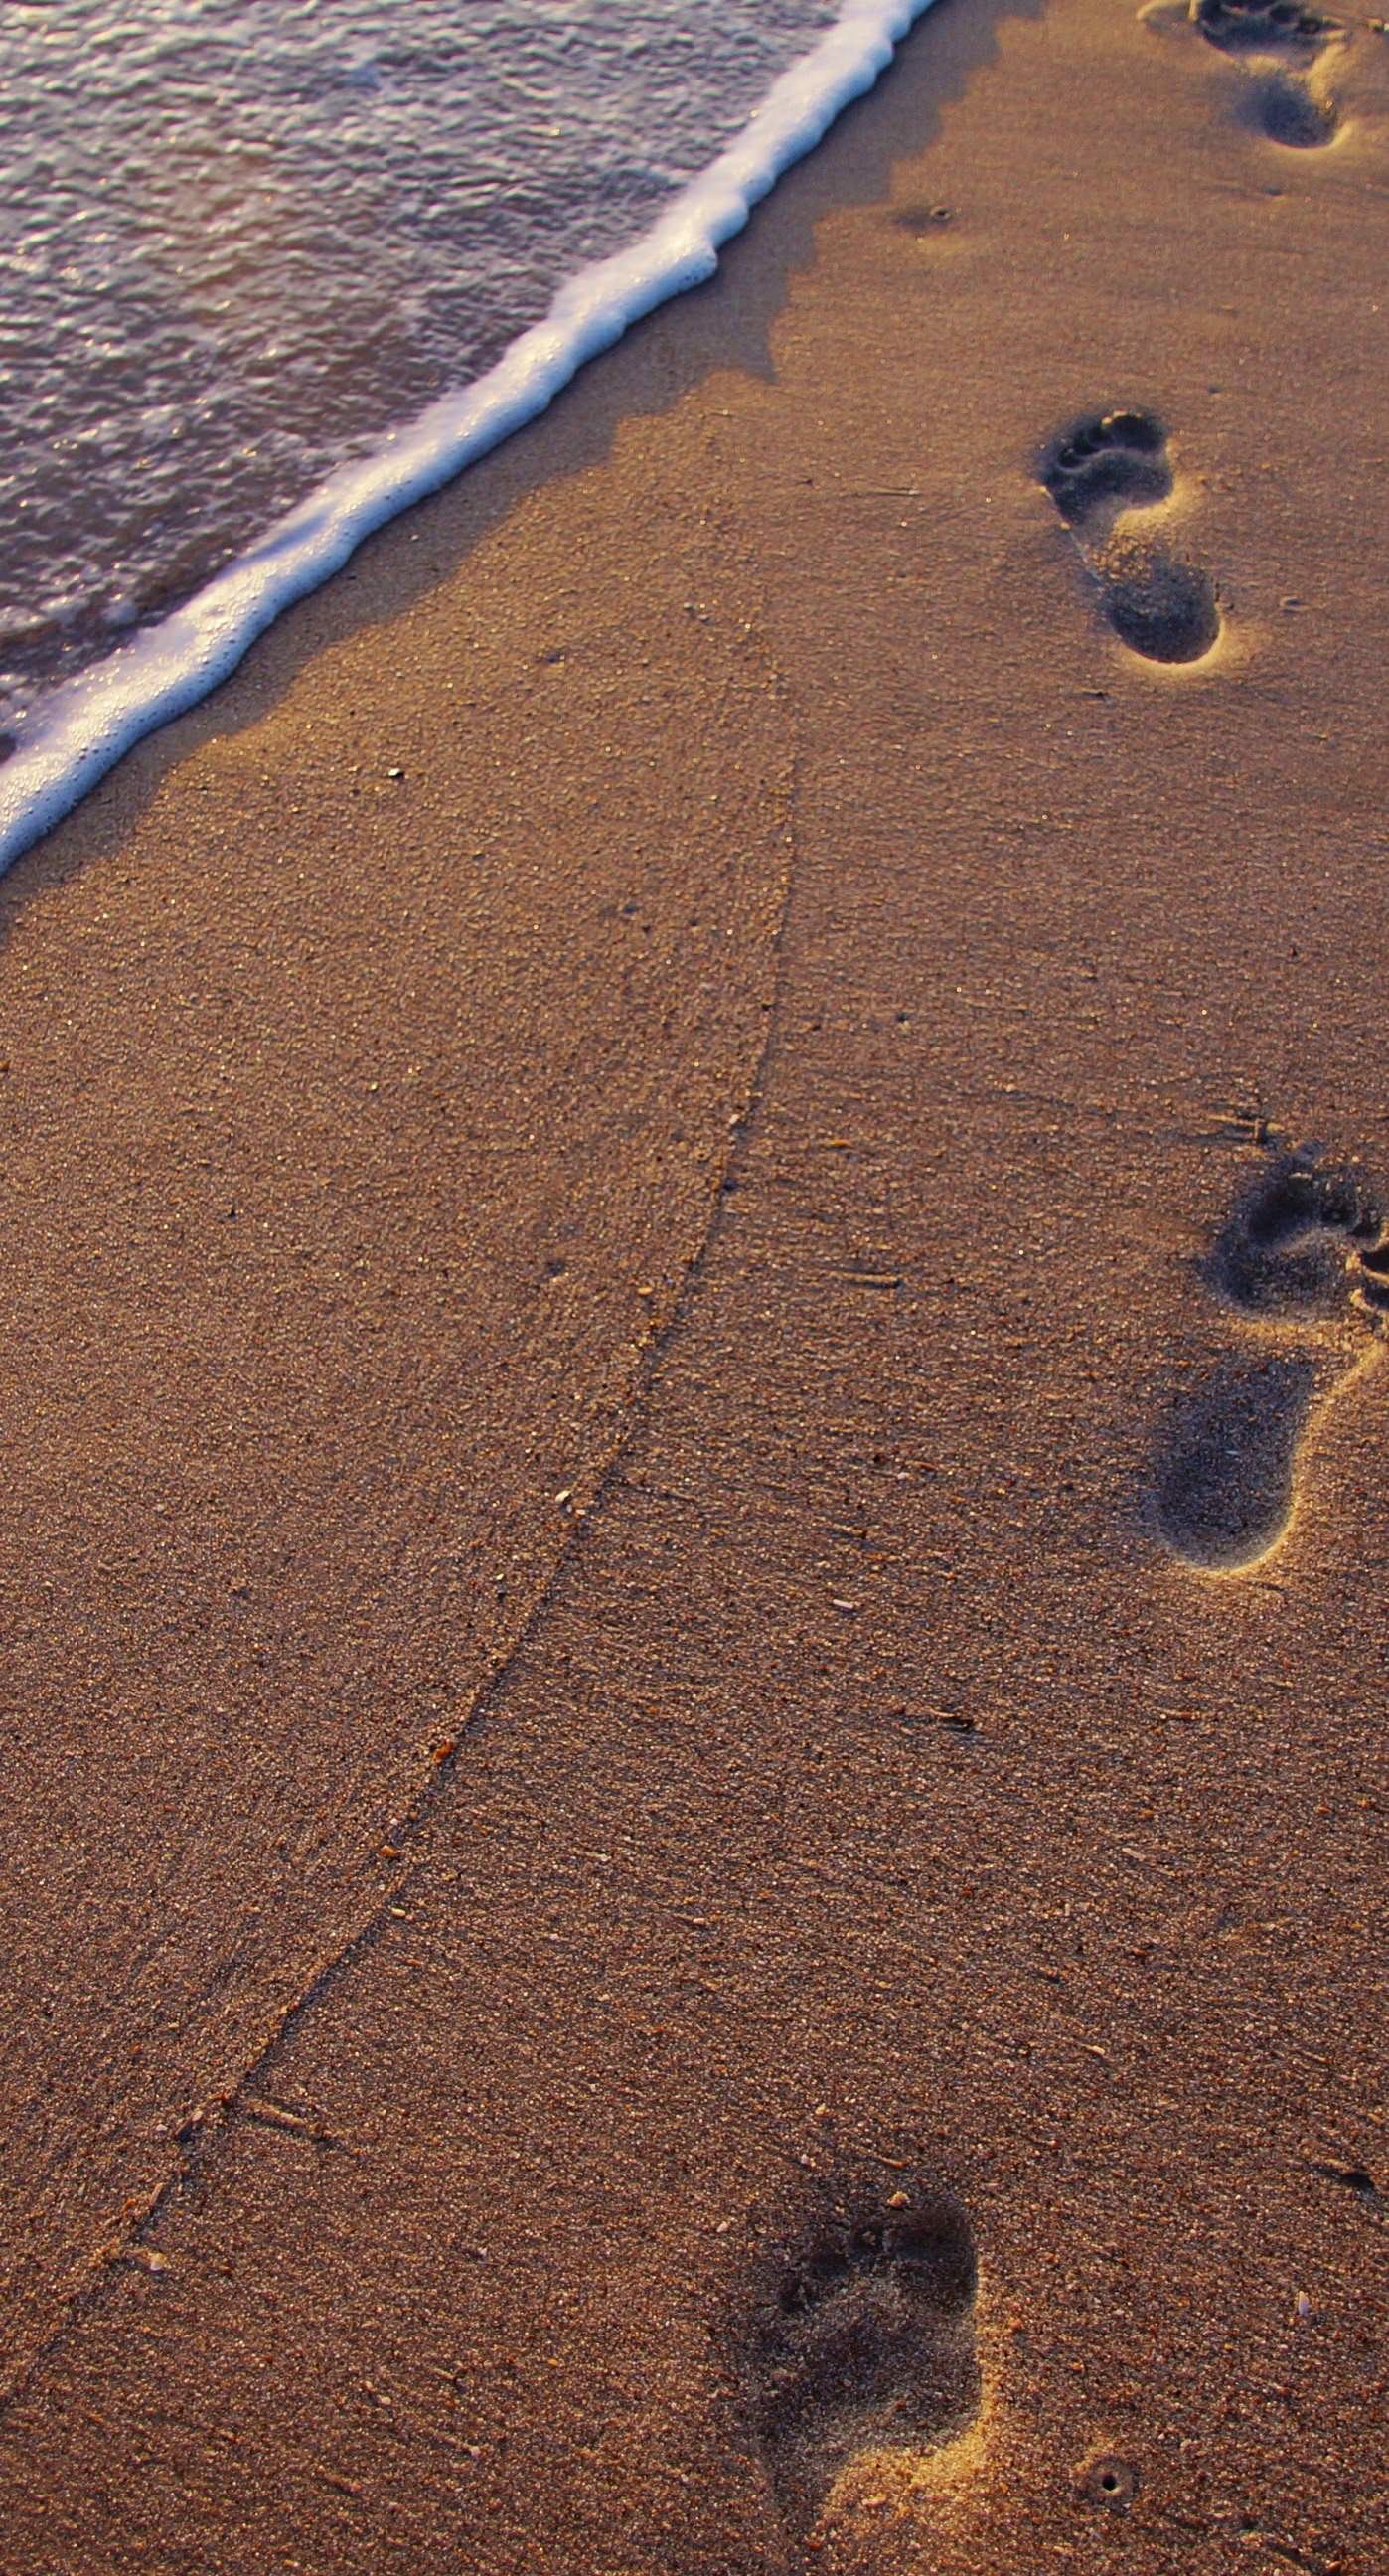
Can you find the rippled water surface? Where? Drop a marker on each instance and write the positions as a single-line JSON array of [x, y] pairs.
[[242, 242]]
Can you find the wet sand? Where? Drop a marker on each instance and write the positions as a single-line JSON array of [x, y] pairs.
[[671, 1906]]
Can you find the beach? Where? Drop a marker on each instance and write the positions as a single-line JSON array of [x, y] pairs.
[[694, 1830]]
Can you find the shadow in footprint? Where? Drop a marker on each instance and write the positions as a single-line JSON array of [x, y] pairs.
[[1304, 1251], [1224, 1490], [1281, 46], [862, 2340], [1099, 471], [1289, 1245]]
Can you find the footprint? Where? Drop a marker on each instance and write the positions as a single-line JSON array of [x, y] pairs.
[[1282, 46], [1263, 27], [1099, 472], [1304, 1262], [1282, 49], [863, 2341]]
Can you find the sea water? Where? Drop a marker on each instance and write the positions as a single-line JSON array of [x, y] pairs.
[[270, 270]]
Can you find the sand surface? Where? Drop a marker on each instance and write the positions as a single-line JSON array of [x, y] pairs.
[[619, 1410]]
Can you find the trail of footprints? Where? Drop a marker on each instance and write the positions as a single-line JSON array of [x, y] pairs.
[[858, 2346], [861, 2337], [1303, 1266], [1107, 472]]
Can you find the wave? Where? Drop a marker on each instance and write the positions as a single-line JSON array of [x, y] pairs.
[[90, 722]]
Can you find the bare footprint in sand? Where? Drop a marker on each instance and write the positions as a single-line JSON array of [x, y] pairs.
[[1105, 473], [1304, 1263], [1283, 52], [862, 2343]]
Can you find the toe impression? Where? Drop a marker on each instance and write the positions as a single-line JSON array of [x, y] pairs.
[[863, 2341]]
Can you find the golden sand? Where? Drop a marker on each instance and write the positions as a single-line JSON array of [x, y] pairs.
[[592, 1329]]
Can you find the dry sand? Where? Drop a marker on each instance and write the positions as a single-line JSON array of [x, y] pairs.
[[662, 1250]]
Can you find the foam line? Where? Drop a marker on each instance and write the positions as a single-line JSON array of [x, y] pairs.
[[89, 723]]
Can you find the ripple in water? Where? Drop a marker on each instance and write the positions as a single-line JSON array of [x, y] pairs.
[[247, 241]]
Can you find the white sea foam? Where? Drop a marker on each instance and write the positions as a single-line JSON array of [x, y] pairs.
[[91, 721]]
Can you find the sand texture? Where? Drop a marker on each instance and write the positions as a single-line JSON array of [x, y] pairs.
[[694, 1543]]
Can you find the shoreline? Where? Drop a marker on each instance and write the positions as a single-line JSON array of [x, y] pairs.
[[591, 1683], [92, 722]]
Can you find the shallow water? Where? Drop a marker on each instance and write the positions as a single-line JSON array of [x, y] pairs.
[[246, 241]]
